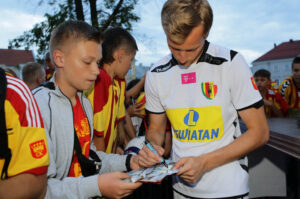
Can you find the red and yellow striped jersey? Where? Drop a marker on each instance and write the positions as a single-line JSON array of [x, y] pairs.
[[107, 97], [278, 102], [25, 130], [291, 94]]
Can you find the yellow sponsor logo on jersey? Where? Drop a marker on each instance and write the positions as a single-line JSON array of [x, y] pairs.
[[200, 124]]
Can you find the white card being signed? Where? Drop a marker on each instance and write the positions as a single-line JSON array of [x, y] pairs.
[[154, 174]]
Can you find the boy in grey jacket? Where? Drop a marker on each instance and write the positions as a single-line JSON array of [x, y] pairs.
[[76, 51]]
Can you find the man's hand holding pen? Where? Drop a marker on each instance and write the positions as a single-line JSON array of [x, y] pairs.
[[148, 158], [151, 147]]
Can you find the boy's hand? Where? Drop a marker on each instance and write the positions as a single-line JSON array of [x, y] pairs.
[[147, 158], [134, 162], [112, 185], [190, 168], [119, 151], [133, 110], [268, 103]]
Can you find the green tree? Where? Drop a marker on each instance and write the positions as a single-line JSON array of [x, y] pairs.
[[101, 14]]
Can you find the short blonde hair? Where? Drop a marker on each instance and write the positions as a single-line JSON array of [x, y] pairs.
[[30, 71], [179, 17], [69, 31]]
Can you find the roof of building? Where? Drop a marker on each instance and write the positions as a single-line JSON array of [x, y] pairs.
[[10, 57], [284, 50]]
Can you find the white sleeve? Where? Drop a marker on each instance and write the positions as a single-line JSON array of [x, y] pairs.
[[69, 187], [153, 103], [242, 87]]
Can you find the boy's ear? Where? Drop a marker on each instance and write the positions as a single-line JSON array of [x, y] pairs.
[[119, 55], [58, 57]]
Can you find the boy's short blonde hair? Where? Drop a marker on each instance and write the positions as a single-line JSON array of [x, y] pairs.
[[72, 31], [31, 70], [179, 17]]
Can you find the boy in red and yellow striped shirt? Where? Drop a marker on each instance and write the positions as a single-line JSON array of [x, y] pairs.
[[107, 95], [24, 174], [275, 105]]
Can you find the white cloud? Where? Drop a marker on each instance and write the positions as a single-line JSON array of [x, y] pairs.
[[149, 33], [144, 50], [252, 27], [14, 24], [250, 55], [149, 54]]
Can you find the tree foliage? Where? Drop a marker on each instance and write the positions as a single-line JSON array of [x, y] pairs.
[[101, 14]]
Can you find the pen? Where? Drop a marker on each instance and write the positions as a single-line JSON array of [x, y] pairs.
[[151, 147]]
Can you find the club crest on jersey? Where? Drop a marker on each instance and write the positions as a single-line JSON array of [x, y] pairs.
[[38, 149], [209, 90], [188, 78], [254, 84]]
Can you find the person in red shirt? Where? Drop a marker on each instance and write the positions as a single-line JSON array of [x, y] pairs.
[[275, 105]]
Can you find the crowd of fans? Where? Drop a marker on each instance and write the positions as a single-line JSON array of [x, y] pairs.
[[73, 126], [282, 101]]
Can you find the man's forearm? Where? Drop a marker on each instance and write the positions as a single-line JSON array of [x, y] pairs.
[[24, 186], [238, 148], [156, 130], [155, 137], [256, 136]]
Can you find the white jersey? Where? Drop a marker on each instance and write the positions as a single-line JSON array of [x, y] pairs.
[[201, 101]]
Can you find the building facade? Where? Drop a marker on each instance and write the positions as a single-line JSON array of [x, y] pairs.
[[14, 60]]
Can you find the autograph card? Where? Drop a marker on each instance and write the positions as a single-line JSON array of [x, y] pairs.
[[154, 174]]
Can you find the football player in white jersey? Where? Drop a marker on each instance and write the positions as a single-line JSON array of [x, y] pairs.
[[202, 88]]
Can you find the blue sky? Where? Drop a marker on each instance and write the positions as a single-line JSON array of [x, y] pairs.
[[248, 26]]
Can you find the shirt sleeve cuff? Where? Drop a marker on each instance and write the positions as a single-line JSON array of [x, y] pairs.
[[37, 171], [90, 186], [99, 133]]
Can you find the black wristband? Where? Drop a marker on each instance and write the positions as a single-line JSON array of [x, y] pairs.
[[127, 163]]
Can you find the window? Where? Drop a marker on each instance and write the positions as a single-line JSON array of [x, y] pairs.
[[287, 67]]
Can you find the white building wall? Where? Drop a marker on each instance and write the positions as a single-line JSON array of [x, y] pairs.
[[280, 69]]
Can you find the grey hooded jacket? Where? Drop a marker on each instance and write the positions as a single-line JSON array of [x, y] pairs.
[[57, 113]]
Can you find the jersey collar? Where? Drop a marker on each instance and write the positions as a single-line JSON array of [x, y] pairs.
[[205, 47]]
